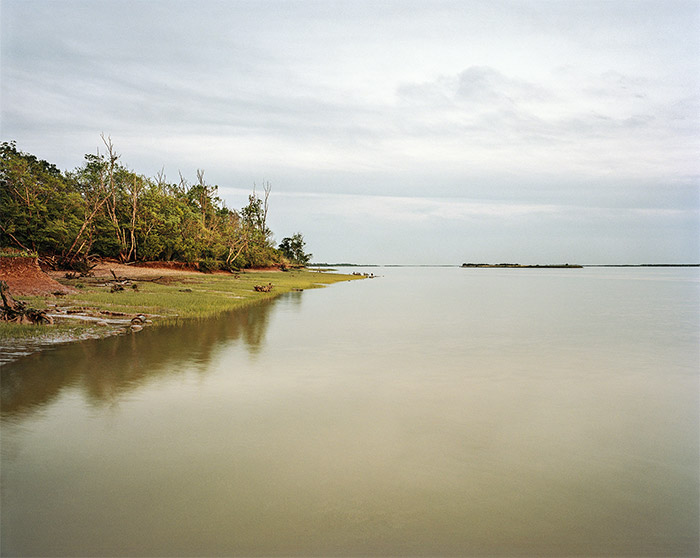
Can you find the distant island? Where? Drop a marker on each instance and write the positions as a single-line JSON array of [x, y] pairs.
[[521, 266], [571, 266]]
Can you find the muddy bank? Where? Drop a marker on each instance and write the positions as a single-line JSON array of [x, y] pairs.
[[24, 277], [108, 299]]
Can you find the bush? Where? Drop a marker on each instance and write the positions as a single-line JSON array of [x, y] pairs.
[[208, 265]]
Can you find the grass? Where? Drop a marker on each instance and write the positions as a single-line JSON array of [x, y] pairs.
[[28, 331], [13, 253], [176, 297]]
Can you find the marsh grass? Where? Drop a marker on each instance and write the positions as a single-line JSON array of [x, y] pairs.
[[179, 297], [31, 331]]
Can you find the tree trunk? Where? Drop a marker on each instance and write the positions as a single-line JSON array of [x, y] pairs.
[[7, 301]]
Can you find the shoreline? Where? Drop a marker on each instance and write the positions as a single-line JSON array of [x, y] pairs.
[[522, 266], [116, 299]]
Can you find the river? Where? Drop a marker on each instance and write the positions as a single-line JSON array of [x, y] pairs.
[[426, 412]]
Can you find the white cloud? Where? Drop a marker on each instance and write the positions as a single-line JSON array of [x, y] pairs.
[[509, 109], [396, 229], [407, 209]]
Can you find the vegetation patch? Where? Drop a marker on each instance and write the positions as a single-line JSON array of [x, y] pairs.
[[103, 209], [96, 310], [101, 249]]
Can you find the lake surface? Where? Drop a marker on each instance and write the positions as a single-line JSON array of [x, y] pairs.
[[427, 412]]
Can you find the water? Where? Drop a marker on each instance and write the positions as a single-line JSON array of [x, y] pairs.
[[439, 411]]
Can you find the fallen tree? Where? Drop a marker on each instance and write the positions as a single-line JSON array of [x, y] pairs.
[[17, 312]]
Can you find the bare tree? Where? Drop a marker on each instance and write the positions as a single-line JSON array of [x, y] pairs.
[[100, 196], [135, 189], [161, 180], [111, 206], [267, 187]]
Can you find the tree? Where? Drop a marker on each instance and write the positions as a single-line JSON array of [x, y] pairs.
[[258, 251], [104, 209], [292, 248], [40, 208], [93, 182]]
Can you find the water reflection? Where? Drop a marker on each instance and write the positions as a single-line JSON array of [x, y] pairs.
[[129, 361], [498, 415]]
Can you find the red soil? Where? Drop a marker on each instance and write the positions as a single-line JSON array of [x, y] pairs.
[[24, 277]]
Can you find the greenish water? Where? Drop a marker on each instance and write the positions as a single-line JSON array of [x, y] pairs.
[[428, 412]]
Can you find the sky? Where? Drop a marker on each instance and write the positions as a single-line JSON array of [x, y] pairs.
[[391, 132]]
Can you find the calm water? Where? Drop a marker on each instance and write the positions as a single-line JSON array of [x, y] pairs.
[[450, 412]]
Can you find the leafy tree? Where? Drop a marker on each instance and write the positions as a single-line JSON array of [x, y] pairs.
[[258, 251], [93, 183], [40, 209], [103, 208], [292, 248]]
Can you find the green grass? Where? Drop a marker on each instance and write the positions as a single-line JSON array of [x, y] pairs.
[[14, 253], [179, 297], [28, 331], [198, 297]]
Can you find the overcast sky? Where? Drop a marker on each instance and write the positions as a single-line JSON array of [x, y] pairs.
[[391, 132]]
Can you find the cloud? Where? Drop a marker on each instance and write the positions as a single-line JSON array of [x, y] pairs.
[[391, 229], [231, 89], [422, 209], [480, 84], [627, 124], [409, 209], [473, 90], [447, 112]]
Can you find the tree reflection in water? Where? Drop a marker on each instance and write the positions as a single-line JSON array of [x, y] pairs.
[[106, 369]]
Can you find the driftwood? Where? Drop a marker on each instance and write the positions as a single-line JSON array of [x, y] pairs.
[[83, 265], [139, 320], [123, 279], [263, 288], [120, 282], [17, 312]]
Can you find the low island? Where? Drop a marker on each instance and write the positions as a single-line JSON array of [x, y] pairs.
[[521, 266]]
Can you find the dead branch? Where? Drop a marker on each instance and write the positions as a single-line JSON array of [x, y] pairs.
[[17, 312]]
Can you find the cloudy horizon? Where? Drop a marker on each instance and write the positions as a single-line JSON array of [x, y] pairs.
[[391, 132]]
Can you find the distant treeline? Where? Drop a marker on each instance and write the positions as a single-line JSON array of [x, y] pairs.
[[522, 266], [102, 208]]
